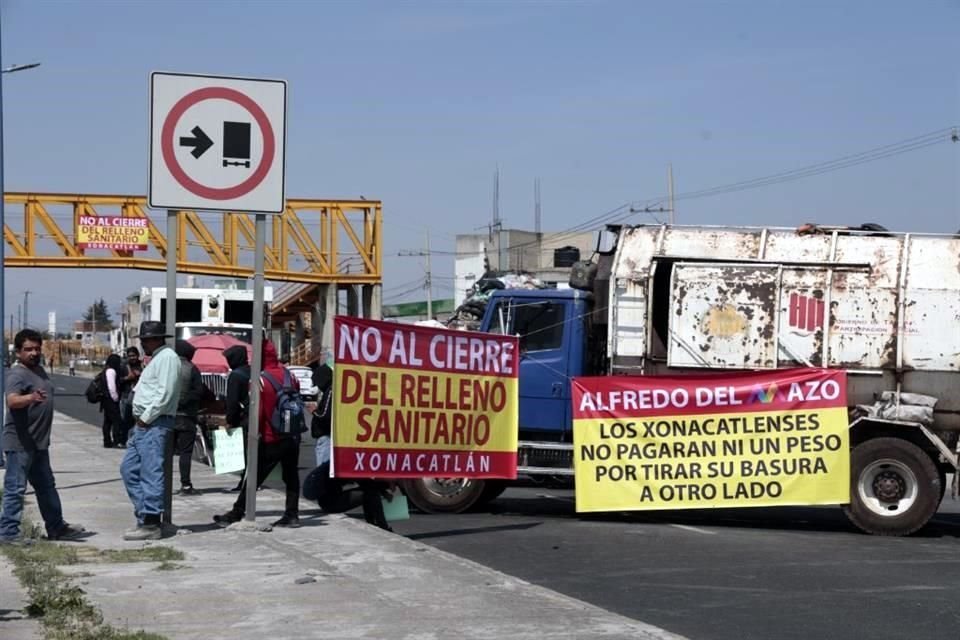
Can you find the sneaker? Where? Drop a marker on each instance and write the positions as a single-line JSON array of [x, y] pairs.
[[228, 518], [288, 521], [144, 532], [68, 532], [188, 491]]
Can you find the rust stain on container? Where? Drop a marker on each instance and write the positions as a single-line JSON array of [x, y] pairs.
[[724, 322]]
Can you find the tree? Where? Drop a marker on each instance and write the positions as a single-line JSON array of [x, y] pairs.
[[98, 314]]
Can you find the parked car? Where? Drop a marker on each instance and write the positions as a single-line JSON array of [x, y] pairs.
[[304, 376]]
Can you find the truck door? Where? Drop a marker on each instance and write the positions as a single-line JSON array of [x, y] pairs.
[[724, 316], [544, 382]]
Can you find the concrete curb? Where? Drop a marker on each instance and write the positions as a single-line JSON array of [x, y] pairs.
[[14, 624]]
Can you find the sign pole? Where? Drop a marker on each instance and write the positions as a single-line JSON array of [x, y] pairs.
[[171, 305], [253, 431]]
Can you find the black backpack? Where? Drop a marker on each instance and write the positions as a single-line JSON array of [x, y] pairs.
[[97, 389]]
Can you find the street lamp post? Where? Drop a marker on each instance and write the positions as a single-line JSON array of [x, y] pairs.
[[3, 223]]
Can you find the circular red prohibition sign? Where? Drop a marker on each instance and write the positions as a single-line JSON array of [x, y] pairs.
[[173, 165]]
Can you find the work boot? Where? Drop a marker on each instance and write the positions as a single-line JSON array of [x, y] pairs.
[[291, 521], [68, 532], [149, 530], [228, 518]]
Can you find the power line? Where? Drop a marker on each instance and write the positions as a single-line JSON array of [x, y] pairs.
[[908, 145]]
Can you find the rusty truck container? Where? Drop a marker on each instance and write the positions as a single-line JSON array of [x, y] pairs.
[[884, 307]]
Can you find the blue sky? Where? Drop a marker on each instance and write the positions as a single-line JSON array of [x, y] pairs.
[[415, 103]]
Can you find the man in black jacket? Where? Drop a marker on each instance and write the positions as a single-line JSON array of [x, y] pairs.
[[188, 407], [238, 394]]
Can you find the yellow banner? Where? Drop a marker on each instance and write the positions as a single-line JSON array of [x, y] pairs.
[[390, 408], [766, 458], [412, 401], [112, 232]]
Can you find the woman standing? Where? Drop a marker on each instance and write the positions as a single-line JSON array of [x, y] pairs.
[[110, 405]]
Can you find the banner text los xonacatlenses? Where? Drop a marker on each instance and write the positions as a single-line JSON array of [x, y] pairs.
[[412, 401], [744, 439]]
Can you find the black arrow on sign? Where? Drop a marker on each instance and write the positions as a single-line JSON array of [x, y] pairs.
[[200, 142]]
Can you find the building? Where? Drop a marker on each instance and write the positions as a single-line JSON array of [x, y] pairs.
[[416, 311], [547, 256], [90, 335]]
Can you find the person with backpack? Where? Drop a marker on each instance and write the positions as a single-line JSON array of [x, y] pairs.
[[110, 402], [280, 422]]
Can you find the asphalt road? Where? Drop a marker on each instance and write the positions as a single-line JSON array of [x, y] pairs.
[[765, 574]]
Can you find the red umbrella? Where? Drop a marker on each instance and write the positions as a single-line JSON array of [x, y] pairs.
[[209, 356]]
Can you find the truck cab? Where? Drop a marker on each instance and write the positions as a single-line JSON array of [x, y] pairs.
[[556, 340], [550, 324]]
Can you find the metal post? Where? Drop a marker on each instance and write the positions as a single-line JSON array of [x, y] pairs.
[[26, 309], [253, 430], [3, 248], [171, 305], [670, 186], [429, 282]]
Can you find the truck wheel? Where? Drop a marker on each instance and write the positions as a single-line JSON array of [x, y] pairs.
[[492, 491], [443, 495], [894, 487]]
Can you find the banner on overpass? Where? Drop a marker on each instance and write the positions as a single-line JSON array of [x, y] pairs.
[[737, 440], [112, 232], [413, 401]]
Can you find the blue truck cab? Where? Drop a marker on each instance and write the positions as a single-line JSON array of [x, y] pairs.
[[551, 326], [557, 342]]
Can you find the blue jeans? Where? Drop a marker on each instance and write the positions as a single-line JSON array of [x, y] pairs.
[[32, 467], [142, 467]]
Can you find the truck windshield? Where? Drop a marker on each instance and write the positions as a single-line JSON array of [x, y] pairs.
[[540, 326], [240, 333]]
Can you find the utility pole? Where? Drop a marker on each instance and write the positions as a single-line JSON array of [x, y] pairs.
[[20, 317], [26, 308], [670, 185], [497, 224], [537, 226], [429, 282]]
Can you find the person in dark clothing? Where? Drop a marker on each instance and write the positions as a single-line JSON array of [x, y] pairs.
[[188, 407], [131, 374], [272, 449], [320, 428], [238, 395], [373, 493], [110, 404]]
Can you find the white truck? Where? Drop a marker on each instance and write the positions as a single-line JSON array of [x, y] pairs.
[[203, 311], [884, 307]]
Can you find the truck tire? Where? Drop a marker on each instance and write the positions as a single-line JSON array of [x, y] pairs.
[[492, 491], [443, 495], [894, 487]]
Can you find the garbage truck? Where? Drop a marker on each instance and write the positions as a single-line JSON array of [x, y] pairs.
[[884, 307]]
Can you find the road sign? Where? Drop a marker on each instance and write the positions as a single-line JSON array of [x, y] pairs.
[[217, 143]]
